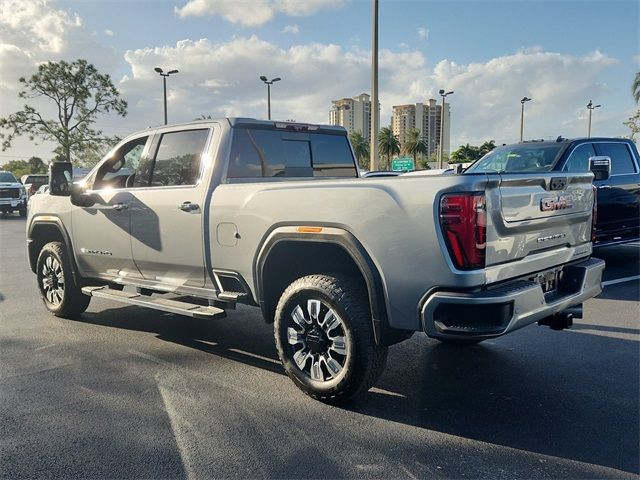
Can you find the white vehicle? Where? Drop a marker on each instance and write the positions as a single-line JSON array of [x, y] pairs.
[[13, 195]]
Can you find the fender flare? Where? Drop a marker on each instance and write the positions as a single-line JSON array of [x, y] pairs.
[[57, 223], [350, 244]]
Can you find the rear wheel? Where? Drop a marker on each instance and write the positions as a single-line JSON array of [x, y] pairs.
[[325, 339], [58, 289]]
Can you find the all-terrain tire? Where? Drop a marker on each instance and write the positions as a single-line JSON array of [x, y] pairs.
[[59, 291], [363, 361]]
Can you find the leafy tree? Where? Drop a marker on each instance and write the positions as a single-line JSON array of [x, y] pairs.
[[360, 148], [414, 145], [388, 144], [79, 94], [635, 87], [466, 153], [634, 125], [25, 167]]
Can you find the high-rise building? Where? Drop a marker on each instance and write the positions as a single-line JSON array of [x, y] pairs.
[[426, 117], [354, 114]]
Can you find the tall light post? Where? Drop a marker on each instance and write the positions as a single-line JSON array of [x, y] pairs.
[[522, 102], [375, 105], [441, 152], [591, 107], [164, 84], [268, 83]]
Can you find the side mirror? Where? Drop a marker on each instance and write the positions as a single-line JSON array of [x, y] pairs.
[[601, 167], [80, 198], [60, 179]]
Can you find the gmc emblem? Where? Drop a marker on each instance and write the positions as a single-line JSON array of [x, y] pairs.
[[555, 203]]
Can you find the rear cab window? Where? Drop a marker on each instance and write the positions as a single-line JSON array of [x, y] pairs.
[[267, 153]]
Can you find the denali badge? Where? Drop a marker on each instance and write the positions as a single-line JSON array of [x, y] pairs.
[[551, 237], [556, 203]]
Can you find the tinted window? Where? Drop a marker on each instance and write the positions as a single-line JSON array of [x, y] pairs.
[[520, 158], [578, 160], [7, 177], [177, 160], [621, 160], [271, 153]]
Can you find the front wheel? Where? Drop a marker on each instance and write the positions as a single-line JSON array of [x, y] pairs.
[[58, 289], [324, 338]]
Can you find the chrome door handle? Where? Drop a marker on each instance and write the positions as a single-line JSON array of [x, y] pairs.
[[604, 187], [120, 206], [188, 206]]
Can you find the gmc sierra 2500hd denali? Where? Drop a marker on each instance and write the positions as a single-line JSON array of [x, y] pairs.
[[195, 218]]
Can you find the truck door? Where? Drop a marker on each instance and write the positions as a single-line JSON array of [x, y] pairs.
[[620, 194], [167, 232], [101, 233]]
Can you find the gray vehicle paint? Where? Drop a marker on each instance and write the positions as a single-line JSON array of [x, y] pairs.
[[394, 219]]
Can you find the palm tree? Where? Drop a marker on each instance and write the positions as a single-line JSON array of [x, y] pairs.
[[360, 148], [486, 147], [635, 87], [465, 153], [388, 144], [414, 144]]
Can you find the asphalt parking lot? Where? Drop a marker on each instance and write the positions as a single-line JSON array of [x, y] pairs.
[[123, 392]]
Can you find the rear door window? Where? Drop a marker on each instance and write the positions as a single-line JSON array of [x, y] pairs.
[[178, 158], [621, 159], [257, 153]]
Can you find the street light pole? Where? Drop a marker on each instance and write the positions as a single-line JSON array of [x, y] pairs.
[[164, 87], [591, 107], [268, 83], [441, 149], [375, 105], [522, 102]]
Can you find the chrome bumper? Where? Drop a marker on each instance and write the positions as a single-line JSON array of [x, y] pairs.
[[494, 312]]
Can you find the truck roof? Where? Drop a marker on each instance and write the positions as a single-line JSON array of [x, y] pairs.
[[240, 122]]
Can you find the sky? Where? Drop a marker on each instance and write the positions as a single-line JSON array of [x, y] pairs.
[[491, 54]]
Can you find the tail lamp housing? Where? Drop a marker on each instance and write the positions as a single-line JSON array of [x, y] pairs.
[[463, 219]]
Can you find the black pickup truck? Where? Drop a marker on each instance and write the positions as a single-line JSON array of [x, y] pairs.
[[618, 194]]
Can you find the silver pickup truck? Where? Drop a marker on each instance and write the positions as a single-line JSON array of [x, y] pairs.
[[195, 218]]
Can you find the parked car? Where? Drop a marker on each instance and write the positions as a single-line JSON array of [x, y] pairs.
[[618, 195], [200, 216], [33, 182], [13, 195]]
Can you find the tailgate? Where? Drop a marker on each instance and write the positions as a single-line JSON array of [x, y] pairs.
[[537, 213]]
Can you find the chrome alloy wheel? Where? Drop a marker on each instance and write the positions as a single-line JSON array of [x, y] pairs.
[[52, 280], [318, 339]]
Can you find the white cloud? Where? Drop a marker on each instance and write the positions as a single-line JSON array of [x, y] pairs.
[[108, 33], [253, 13], [294, 29], [222, 79], [423, 32]]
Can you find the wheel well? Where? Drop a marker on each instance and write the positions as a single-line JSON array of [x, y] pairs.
[[290, 260], [40, 236]]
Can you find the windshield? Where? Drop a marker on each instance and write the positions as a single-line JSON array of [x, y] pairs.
[[520, 158], [7, 177]]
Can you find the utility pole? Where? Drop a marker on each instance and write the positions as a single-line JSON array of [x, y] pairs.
[[441, 149], [164, 85], [591, 107], [523, 101], [375, 106]]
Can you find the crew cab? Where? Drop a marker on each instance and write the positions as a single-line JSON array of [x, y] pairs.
[[617, 218], [13, 195], [195, 218]]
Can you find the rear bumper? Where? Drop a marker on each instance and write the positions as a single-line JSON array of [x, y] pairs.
[[494, 312]]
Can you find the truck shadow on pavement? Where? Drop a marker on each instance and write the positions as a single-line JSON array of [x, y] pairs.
[[535, 390]]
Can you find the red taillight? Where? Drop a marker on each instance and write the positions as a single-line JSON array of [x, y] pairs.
[[463, 218]]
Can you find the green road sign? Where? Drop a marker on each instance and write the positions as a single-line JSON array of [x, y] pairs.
[[402, 164]]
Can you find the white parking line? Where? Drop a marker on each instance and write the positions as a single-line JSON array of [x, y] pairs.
[[620, 280]]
